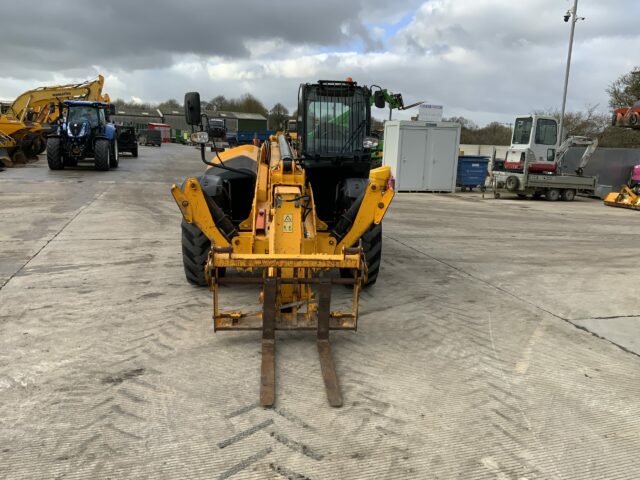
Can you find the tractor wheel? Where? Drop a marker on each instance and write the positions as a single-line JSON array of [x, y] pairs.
[[54, 155], [102, 153], [371, 243], [634, 119], [552, 194], [568, 195], [195, 252], [134, 152], [114, 159]]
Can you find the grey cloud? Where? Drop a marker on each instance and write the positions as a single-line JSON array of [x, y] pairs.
[[133, 34]]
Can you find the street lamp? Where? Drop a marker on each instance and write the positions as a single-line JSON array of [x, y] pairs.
[[571, 15]]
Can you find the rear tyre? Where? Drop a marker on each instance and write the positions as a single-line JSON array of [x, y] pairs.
[[371, 243], [552, 194], [195, 252], [568, 195], [102, 151], [42, 142], [134, 152], [114, 158], [54, 154], [522, 195]]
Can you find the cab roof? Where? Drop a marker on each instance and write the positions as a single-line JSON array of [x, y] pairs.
[[85, 103]]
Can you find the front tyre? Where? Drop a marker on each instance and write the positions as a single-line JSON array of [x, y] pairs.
[[195, 252], [54, 154], [371, 243], [102, 152], [114, 159]]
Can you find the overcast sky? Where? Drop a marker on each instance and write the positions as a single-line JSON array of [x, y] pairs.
[[483, 59]]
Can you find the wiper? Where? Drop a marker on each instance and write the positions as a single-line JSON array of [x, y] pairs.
[[355, 133]]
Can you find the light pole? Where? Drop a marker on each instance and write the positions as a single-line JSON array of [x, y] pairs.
[[572, 14]]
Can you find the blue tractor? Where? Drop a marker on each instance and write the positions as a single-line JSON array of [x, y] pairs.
[[84, 131]]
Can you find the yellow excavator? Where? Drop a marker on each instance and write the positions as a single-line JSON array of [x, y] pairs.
[[27, 120], [10, 154], [291, 213]]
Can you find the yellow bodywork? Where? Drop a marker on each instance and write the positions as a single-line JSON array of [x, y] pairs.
[[284, 237], [626, 198]]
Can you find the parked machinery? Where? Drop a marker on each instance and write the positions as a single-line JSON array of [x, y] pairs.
[[29, 117], [628, 117], [127, 140], [83, 132], [533, 162], [10, 154], [293, 215], [629, 195]]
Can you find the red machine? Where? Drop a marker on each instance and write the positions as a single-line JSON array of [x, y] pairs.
[[165, 130], [628, 117]]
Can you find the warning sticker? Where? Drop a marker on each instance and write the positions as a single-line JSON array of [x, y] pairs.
[[287, 224]]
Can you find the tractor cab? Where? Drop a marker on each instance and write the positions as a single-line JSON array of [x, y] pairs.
[[534, 142]]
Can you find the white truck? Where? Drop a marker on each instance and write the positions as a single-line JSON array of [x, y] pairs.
[[533, 162]]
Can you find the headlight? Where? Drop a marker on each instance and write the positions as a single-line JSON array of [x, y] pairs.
[[200, 137], [370, 143]]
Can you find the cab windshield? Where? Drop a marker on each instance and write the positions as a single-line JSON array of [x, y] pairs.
[[335, 123], [522, 131], [84, 114]]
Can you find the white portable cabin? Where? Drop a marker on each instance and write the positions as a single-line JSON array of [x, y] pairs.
[[423, 156]]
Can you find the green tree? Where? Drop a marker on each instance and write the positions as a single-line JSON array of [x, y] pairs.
[[169, 106], [588, 123], [625, 91], [278, 115], [219, 102]]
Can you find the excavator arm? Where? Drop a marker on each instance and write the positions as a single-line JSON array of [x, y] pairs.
[[38, 100], [577, 141]]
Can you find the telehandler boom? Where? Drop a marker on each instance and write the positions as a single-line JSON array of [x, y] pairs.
[[291, 215]]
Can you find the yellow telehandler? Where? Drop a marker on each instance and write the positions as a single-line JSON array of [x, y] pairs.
[[290, 215]]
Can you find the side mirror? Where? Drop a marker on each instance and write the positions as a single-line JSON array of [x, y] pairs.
[[192, 108], [378, 99], [112, 109]]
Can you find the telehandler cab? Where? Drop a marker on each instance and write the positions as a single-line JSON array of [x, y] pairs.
[[291, 215]]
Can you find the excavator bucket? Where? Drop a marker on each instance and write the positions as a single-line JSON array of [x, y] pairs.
[[10, 154]]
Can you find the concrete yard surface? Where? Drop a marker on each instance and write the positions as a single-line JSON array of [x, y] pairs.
[[500, 342]]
